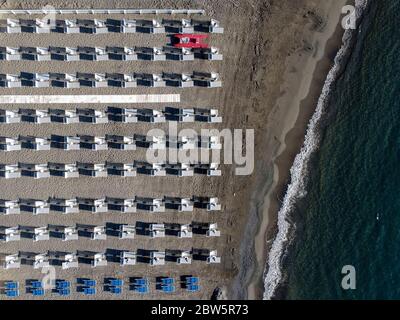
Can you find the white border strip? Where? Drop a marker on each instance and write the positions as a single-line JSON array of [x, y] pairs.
[[103, 11], [48, 99]]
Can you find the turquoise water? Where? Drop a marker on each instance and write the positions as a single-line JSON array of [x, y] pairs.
[[356, 177]]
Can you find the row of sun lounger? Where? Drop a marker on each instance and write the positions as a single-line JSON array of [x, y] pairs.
[[109, 141], [100, 26], [104, 205], [111, 114], [100, 232], [108, 53], [102, 170], [68, 260], [112, 285], [103, 80]]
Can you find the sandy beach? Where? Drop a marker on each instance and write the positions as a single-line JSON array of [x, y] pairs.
[[276, 57]]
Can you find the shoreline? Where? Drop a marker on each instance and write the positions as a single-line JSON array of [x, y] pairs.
[[292, 137]]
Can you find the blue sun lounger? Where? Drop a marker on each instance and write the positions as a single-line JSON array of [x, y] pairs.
[[192, 280], [168, 289], [38, 292], [11, 285], [140, 282], [12, 293], [115, 289], [36, 284], [64, 292], [192, 288], [141, 289], [89, 282], [115, 282], [167, 281], [62, 284], [88, 291]]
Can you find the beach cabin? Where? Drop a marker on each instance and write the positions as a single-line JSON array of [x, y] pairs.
[[66, 260], [213, 230], [127, 258], [92, 232], [179, 115], [185, 231], [8, 234], [150, 115], [121, 25], [126, 231], [178, 80], [64, 53], [121, 80], [92, 53], [211, 169], [97, 170], [207, 79], [209, 26], [150, 204], [208, 203], [64, 80], [10, 81], [151, 54], [207, 115], [38, 80], [93, 80], [35, 26], [157, 258], [65, 170], [35, 53], [149, 26], [9, 116], [120, 142], [10, 144], [179, 256], [157, 230], [65, 142], [179, 54], [93, 205], [65, 206], [10, 261], [35, 116], [91, 115], [95, 259], [121, 53], [34, 143], [150, 169], [92, 26], [150, 142], [121, 169], [150, 80], [209, 142], [179, 204], [212, 54], [179, 169], [34, 170], [10, 26], [9, 207], [37, 260], [93, 143], [66, 233], [34, 206], [10, 171], [178, 26], [121, 205], [10, 54], [35, 233], [68, 26], [213, 257], [122, 115], [63, 116]]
